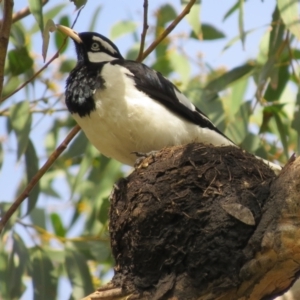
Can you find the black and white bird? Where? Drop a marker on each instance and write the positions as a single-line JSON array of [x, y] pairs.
[[124, 106]]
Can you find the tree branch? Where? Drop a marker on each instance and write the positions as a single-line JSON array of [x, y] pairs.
[[168, 29], [24, 12], [38, 176], [144, 32], [4, 37]]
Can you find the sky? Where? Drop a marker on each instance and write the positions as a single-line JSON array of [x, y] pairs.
[[212, 12]]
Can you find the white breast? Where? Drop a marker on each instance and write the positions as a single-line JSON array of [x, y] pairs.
[[126, 120]]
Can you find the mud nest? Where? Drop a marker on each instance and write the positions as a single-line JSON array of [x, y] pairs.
[[178, 222]]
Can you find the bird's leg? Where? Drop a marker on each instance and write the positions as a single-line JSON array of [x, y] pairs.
[[141, 156]]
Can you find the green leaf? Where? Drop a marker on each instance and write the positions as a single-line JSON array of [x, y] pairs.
[[17, 35], [4, 206], [237, 38], [231, 10], [59, 38], [67, 66], [57, 225], [238, 130], [17, 263], [251, 142], [36, 8], [122, 28], [241, 22], [289, 11], [93, 250], [79, 3], [46, 183], [283, 131], [78, 272], [32, 167], [50, 14], [165, 14], [42, 273], [19, 61], [280, 78], [237, 96], [77, 148], [4, 275], [95, 18], [11, 84], [215, 86], [193, 17], [210, 32], [50, 27], [20, 121], [38, 218], [180, 64]]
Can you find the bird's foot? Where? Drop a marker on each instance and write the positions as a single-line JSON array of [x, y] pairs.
[[139, 163]]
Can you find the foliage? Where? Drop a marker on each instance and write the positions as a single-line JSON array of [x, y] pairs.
[[61, 231]]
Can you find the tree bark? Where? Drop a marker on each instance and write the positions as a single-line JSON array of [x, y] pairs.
[[207, 223]]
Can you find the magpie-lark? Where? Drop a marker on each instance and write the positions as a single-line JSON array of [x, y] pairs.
[[124, 106]]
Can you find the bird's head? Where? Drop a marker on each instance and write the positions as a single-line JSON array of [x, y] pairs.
[[92, 47]]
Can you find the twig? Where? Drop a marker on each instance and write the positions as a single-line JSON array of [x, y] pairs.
[[52, 158], [24, 12], [36, 74], [144, 32], [4, 36], [168, 29]]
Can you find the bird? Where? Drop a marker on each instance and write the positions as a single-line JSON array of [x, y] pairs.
[[124, 107]]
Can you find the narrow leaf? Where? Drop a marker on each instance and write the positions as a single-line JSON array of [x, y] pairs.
[[95, 18], [209, 32], [289, 11], [215, 86], [19, 61], [241, 22], [36, 8], [42, 273], [32, 167], [57, 225], [78, 273], [122, 28], [50, 27], [79, 3], [193, 17], [20, 121], [58, 37], [231, 10]]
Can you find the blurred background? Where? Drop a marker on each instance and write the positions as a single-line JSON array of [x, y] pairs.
[[236, 60]]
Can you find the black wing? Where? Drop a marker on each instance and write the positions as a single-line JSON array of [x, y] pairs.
[[162, 90]]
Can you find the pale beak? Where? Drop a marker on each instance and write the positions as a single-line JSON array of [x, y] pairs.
[[69, 32]]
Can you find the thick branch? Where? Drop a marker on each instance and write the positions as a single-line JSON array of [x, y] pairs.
[[4, 36], [206, 223]]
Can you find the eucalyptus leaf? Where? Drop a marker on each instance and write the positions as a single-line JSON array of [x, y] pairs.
[[78, 272], [289, 11], [36, 8], [19, 61], [193, 17], [20, 121], [122, 28], [42, 273]]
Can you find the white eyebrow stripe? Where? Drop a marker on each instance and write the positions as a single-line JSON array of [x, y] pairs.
[[98, 57], [105, 44]]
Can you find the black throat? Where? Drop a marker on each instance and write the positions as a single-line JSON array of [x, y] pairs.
[[81, 85]]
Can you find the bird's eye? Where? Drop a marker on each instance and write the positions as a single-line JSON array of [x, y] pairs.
[[95, 46]]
